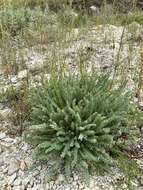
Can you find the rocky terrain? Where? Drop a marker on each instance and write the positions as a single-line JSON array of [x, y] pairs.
[[104, 45], [19, 172]]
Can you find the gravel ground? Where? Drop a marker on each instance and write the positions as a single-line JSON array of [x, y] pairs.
[[17, 171]]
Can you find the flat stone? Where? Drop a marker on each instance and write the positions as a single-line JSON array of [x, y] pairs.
[[23, 165], [22, 74], [26, 181], [94, 9], [13, 167], [51, 183], [124, 185], [9, 188], [17, 182], [5, 113], [9, 140], [13, 79], [47, 186], [5, 170], [67, 188], [18, 188], [11, 179], [91, 183], [2, 136], [21, 173]]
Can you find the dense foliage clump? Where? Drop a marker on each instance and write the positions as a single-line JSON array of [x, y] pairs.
[[79, 121], [15, 21]]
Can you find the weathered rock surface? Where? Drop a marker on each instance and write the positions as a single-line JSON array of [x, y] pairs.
[[5, 114], [13, 166]]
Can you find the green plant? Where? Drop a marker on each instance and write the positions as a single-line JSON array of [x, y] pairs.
[[20, 106], [130, 169], [16, 99], [119, 18], [20, 3], [72, 18], [80, 120], [14, 21]]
